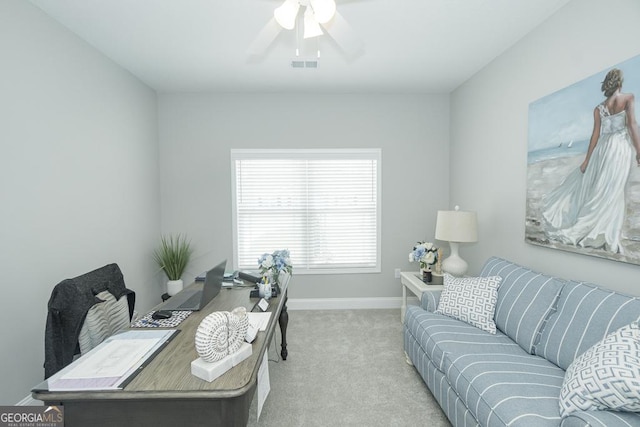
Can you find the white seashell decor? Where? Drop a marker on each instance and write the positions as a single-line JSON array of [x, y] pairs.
[[221, 333]]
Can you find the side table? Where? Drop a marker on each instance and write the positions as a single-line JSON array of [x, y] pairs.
[[412, 281]]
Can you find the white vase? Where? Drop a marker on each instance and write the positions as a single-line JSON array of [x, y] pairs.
[[264, 290], [174, 286]]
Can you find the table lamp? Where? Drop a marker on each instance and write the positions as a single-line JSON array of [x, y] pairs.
[[456, 227]]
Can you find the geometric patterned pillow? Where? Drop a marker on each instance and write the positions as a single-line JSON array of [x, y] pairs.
[[471, 300], [606, 376]]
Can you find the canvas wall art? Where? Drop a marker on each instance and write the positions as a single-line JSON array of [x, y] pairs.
[[583, 173]]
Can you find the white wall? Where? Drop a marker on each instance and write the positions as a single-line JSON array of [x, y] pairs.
[[78, 180], [489, 132], [198, 131]]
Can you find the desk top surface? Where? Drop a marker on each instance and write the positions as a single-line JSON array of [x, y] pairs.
[[168, 375]]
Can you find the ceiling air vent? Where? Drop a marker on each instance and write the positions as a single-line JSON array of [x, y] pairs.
[[301, 63]]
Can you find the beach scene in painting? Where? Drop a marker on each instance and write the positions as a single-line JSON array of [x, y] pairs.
[[560, 128]]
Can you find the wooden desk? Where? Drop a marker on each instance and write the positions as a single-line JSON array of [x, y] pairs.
[[165, 393]]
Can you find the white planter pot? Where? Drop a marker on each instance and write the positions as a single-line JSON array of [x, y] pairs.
[[174, 286]]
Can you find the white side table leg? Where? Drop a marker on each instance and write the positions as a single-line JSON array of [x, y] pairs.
[[403, 307]]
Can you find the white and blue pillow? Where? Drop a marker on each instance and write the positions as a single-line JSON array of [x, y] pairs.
[[606, 376], [471, 300]]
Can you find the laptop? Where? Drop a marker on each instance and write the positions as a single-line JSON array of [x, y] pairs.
[[195, 299]]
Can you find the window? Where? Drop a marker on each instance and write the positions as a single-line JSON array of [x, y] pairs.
[[322, 205]]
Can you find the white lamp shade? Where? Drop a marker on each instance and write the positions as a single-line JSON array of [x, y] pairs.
[[323, 10], [311, 26], [457, 226], [286, 14]]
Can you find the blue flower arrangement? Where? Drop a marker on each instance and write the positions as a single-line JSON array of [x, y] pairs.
[[425, 253], [275, 263]]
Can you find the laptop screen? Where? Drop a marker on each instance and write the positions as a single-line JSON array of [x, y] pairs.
[[194, 298], [213, 283]]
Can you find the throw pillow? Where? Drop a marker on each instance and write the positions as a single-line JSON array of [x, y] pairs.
[[606, 376], [471, 300]]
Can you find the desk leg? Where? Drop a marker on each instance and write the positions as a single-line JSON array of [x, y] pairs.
[[284, 322]]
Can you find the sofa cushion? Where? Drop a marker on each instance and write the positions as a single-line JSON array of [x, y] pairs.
[[470, 299], [606, 376], [439, 335], [502, 389], [525, 300], [585, 315]]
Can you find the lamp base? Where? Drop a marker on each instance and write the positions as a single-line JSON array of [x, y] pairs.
[[454, 265]]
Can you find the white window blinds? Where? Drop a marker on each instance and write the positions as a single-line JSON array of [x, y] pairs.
[[322, 205]]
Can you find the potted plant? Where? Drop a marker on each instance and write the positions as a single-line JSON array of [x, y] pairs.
[[173, 256]]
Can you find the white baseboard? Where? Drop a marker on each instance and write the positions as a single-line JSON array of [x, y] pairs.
[[30, 401], [343, 303]]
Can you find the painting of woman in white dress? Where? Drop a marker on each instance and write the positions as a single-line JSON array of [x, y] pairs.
[[585, 199]]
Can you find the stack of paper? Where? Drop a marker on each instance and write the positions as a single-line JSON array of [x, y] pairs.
[[112, 363], [259, 320]]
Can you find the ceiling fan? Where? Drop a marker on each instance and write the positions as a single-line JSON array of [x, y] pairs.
[[317, 15]]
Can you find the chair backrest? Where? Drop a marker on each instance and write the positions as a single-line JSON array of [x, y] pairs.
[[102, 296]]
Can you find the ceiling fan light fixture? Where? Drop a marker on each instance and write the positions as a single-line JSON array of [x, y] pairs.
[[311, 26], [286, 14], [323, 10]]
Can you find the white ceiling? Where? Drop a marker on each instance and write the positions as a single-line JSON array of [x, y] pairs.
[[429, 46]]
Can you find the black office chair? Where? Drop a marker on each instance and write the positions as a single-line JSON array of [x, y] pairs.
[[83, 312]]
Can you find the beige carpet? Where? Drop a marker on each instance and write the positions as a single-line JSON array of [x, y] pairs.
[[345, 368]]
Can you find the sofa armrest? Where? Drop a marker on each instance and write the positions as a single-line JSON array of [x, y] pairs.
[[429, 300], [601, 419]]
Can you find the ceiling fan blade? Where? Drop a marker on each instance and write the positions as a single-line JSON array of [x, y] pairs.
[[264, 39], [346, 38]]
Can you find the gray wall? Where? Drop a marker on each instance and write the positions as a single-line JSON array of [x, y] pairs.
[[78, 179], [198, 131], [489, 132]]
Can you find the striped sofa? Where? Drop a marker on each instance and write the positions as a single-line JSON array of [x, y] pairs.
[[514, 378]]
